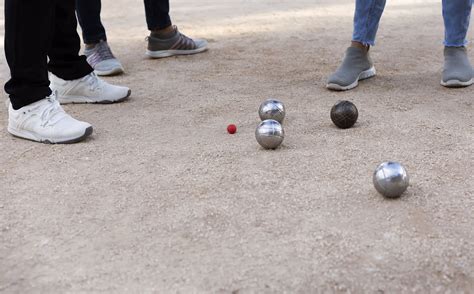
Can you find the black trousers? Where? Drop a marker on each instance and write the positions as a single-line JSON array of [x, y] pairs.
[[34, 31], [88, 13]]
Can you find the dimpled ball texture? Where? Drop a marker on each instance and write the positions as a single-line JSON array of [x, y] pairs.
[[344, 114]]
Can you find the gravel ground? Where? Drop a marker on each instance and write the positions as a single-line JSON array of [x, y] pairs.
[[161, 199]]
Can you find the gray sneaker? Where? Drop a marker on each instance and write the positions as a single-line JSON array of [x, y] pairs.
[[102, 60], [457, 68], [176, 44], [356, 66]]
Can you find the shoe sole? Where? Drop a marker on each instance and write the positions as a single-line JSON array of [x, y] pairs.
[[86, 100], [30, 136], [168, 53], [456, 83], [371, 72], [112, 72]]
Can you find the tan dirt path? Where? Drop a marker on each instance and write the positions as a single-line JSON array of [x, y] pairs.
[[161, 199]]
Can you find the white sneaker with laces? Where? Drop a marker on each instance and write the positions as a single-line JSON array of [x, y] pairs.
[[89, 89], [46, 121]]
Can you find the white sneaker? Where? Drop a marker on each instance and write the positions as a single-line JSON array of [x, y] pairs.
[[45, 121], [89, 89]]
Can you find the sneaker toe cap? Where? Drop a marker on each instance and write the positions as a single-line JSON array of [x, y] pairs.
[[457, 75], [340, 80], [109, 66], [70, 130], [201, 43], [116, 94]]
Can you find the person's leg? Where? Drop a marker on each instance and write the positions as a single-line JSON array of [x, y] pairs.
[[366, 21], [33, 112], [72, 76], [64, 59], [99, 55], [357, 64], [457, 68], [88, 14], [165, 39], [456, 15], [157, 14], [26, 50]]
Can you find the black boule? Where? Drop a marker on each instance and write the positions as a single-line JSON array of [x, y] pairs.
[[344, 114]]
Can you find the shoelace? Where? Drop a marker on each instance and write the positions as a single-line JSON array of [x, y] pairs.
[[93, 81], [52, 113], [102, 52]]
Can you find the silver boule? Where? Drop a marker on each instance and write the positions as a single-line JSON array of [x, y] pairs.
[[270, 134], [391, 179], [272, 109]]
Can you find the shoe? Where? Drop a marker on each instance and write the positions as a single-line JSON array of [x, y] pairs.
[[102, 60], [357, 65], [45, 121], [457, 68], [89, 89], [175, 44]]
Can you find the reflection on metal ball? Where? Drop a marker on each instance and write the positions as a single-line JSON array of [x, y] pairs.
[[270, 134], [391, 179], [272, 109]]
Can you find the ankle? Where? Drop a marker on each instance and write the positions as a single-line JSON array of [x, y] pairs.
[[168, 29], [360, 46], [90, 46], [164, 32]]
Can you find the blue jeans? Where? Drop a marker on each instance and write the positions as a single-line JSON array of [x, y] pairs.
[[456, 14], [88, 14]]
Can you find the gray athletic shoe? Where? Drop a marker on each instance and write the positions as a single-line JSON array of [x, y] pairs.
[[357, 65], [102, 60], [457, 68], [176, 44]]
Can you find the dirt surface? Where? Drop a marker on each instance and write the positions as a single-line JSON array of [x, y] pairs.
[[161, 199]]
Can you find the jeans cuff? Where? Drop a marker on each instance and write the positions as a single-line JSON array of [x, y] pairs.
[[455, 44], [365, 43]]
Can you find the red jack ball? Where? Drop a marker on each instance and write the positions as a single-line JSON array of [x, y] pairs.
[[231, 129]]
